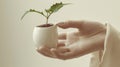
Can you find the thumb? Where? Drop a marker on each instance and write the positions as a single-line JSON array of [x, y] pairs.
[[70, 24]]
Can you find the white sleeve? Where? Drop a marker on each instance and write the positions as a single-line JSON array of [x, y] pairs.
[[110, 56], [111, 53]]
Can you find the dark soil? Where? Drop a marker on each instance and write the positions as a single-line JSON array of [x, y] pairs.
[[45, 25]]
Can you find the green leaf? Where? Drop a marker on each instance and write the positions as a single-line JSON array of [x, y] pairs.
[[56, 7], [47, 12], [31, 10]]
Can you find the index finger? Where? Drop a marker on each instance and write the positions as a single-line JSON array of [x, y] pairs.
[[70, 24]]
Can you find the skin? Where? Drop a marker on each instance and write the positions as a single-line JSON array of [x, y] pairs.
[[89, 38]]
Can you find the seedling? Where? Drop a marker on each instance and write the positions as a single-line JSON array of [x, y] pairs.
[[47, 12]]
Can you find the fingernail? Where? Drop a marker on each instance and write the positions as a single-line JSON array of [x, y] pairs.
[[38, 48], [52, 49]]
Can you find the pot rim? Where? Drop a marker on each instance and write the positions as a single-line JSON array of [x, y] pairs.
[[52, 25]]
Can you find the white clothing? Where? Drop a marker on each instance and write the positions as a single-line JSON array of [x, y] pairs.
[[110, 56]]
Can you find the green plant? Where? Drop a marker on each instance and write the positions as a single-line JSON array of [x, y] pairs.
[[47, 12]]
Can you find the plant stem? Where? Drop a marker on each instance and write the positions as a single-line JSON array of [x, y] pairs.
[[47, 20]]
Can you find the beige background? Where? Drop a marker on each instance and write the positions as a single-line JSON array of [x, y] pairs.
[[16, 45]]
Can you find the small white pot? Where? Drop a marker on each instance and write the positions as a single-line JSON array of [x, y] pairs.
[[47, 36]]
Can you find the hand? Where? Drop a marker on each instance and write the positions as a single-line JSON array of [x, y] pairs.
[[89, 37]]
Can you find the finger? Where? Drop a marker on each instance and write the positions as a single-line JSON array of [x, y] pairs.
[[70, 24], [61, 43], [45, 51], [56, 53], [59, 53], [62, 36]]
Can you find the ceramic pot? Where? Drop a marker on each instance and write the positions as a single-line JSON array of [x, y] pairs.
[[47, 36]]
